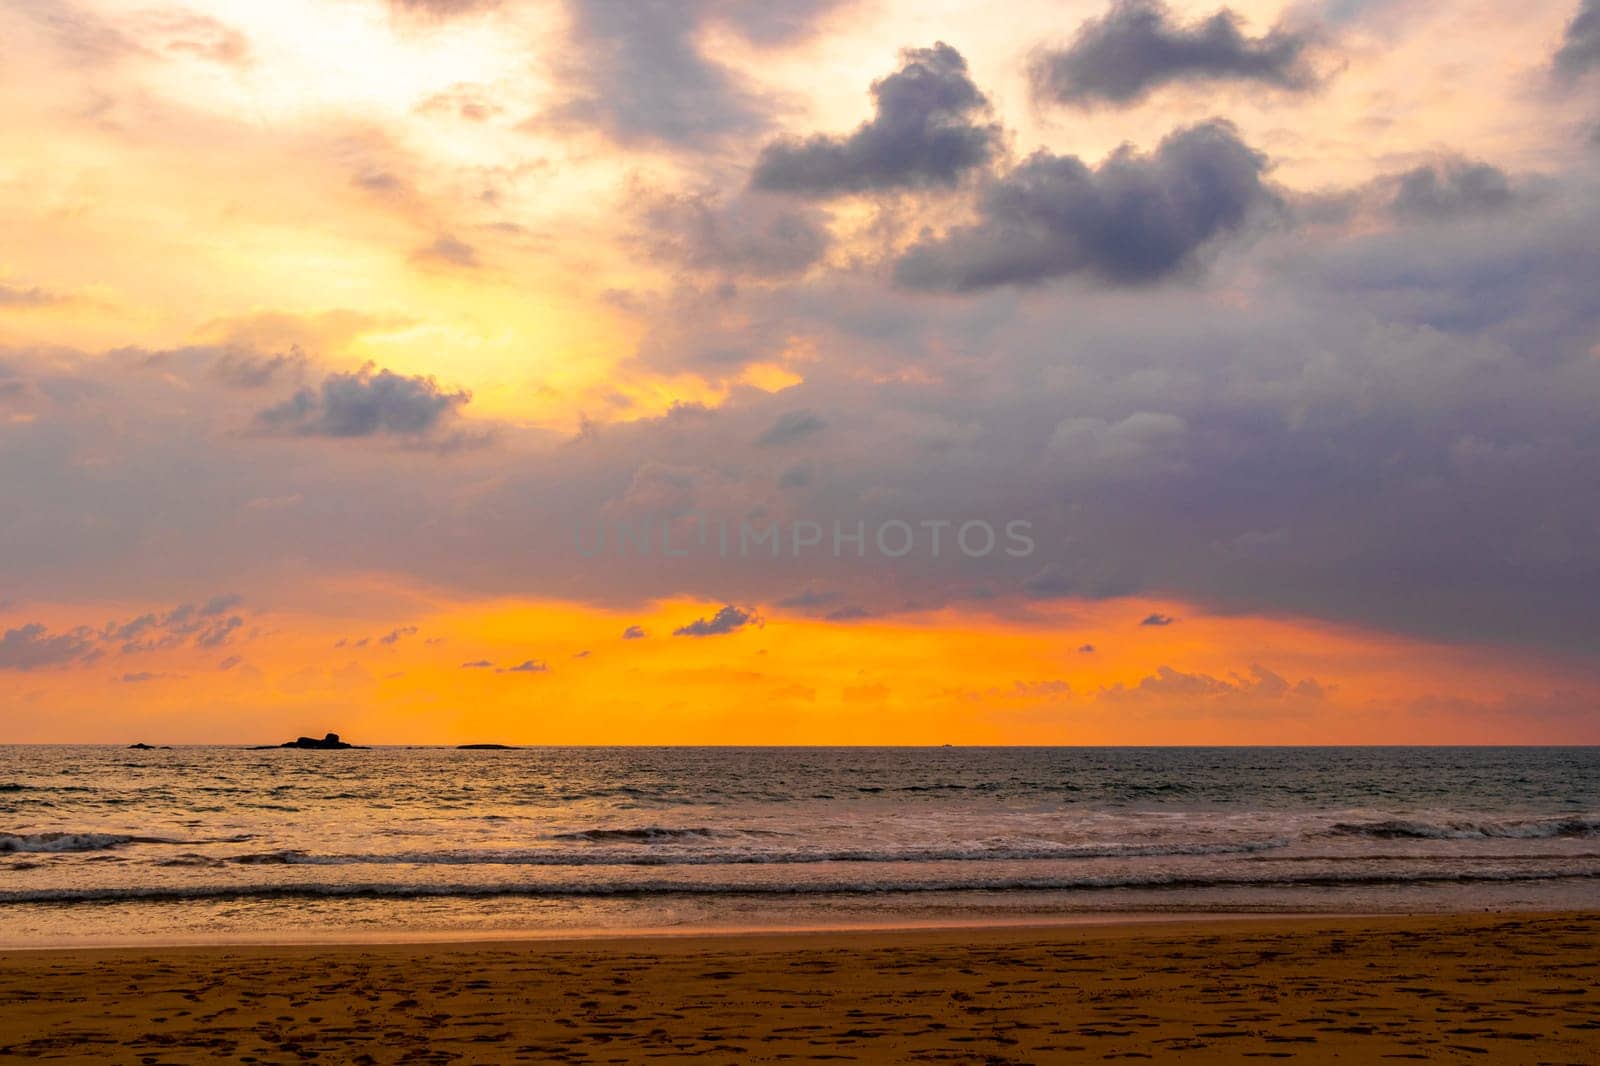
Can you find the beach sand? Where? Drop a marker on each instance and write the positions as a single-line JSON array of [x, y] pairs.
[[1490, 989]]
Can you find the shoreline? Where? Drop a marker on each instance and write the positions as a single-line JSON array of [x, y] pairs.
[[1108, 920], [1507, 988], [597, 935]]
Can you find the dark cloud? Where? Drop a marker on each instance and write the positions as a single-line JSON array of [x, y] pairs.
[[634, 633], [218, 634], [477, 664], [365, 404], [1134, 219], [930, 128], [637, 72], [210, 625], [528, 666], [1158, 620], [218, 605], [1086, 649], [395, 636], [849, 614], [641, 76], [746, 236], [1580, 47], [730, 619], [32, 646], [791, 426], [1449, 189], [1138, 46]]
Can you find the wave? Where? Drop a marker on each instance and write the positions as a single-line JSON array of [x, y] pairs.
[[64, 842], [646, 835], [11, 843], [640, 889], [1574, 825], [728, 857]]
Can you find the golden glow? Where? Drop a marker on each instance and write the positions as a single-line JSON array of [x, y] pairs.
[[941, 677]]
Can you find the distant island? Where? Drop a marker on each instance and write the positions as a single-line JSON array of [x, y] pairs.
[[331, 742], [486, 747], [141, 746]]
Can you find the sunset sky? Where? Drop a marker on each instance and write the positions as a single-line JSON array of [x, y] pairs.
[[334, 332]]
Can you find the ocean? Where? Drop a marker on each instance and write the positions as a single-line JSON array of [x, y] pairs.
[[104, 845]]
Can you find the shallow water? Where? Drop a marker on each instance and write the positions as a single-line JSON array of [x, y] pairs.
[[100, 844]]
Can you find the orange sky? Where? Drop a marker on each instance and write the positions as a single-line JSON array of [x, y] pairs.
[[1075, 674]]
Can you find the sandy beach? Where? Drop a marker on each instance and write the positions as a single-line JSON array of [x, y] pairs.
[[1499, 988]]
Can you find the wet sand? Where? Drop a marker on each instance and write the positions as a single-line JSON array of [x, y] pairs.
[[1487, 989]]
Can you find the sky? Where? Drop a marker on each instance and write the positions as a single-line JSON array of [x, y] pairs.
[[800, 371]]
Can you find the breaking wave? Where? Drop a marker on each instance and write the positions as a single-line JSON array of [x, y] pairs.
[[643, 888], [1576, 825], [11, 843]]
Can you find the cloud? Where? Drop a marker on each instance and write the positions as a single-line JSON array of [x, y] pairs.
[[196, 35], [250, 370], [729, 619], [1580, 46], [211, 625], [448, 251], [634, 633], [394, 636], [81, 35], [1259, 684], [1086, 649], [790, 427], [1133, 220], [218, 634], [746, 236], [465, 101], [365, 404], [1448, 189], [1158, 620], [30, 647], [528, 666], [929, 129], [637, 72], [442, 9], [33, 296], [1351, 424], [477, 664], [1139, 46], [218, 605]]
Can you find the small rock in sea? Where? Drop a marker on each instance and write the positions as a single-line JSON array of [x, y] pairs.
[[486, 747], [141, 746]]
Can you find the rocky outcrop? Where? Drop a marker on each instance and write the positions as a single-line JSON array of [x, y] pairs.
[[331, 742]]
